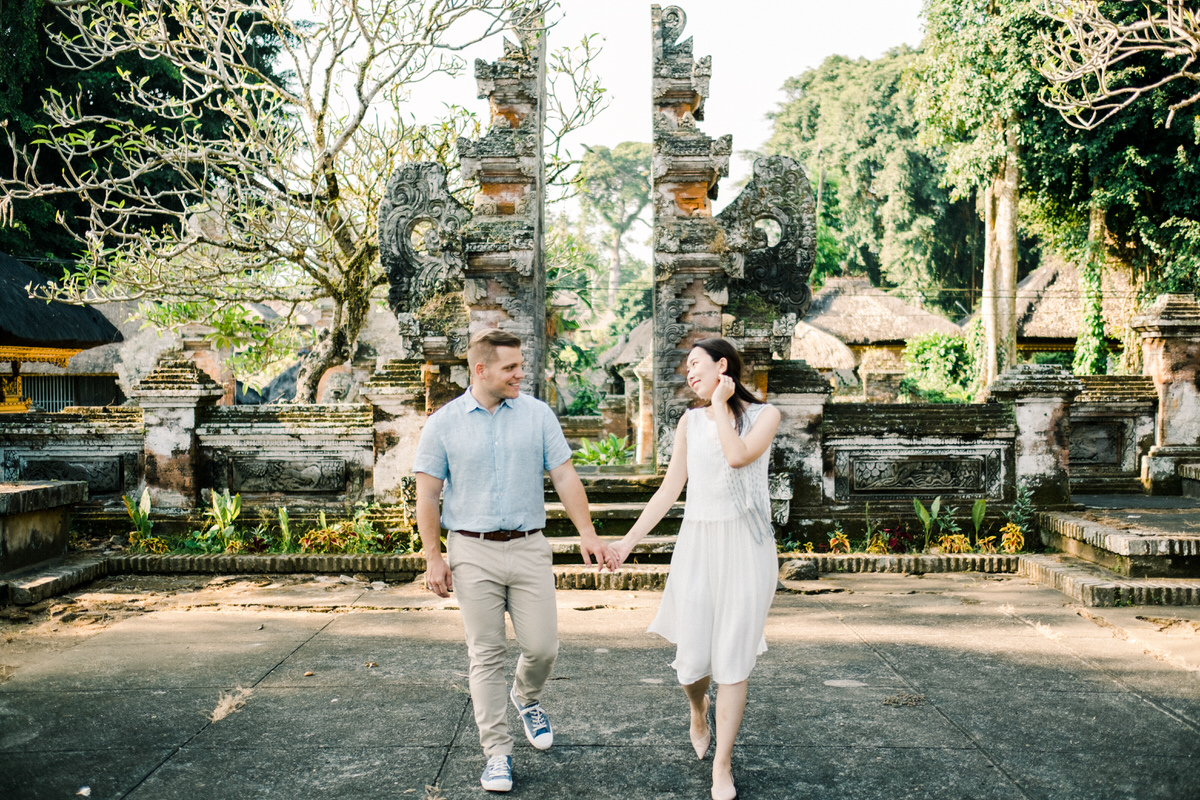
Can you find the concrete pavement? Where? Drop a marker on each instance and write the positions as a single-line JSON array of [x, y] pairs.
[[958, 685]]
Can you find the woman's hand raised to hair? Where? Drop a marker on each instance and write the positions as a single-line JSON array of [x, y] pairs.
[[724, 390]]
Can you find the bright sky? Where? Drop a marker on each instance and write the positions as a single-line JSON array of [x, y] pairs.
[[755, 46]]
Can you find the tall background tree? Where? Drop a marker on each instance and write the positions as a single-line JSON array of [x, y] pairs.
[[280, 206], [975, 84], [881, 202], [615, 190]]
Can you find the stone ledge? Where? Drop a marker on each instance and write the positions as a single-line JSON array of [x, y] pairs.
[[1133, 542], [1097, 587], [41, 583], [25, 497], [1081, 581], [913, 564]]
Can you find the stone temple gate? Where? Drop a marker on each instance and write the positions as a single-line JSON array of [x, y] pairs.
[[455, 270]]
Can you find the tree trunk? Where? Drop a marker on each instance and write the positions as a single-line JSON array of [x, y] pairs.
[[998, 304], [333, 347], [614, 272]]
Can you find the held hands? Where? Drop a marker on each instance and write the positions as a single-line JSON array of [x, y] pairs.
[[617, 555], [591, 547]]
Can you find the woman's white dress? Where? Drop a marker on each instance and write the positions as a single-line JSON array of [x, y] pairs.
[[724, 570]]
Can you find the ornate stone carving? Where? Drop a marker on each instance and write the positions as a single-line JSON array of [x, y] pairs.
[[924, 471], [417, 193], [778, 273], [103, 475], [270, 475]]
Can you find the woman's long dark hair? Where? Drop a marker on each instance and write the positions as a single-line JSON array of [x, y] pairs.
[[717, 349]]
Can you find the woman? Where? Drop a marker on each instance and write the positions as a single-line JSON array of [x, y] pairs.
[[723, 570]]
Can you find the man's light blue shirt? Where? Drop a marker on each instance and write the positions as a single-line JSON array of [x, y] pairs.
[[492, 464]]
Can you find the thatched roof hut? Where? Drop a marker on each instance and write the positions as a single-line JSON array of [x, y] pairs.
[[860, 315], [1050, 305]]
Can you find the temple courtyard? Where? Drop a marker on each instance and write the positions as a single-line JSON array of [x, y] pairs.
[[957, 685]]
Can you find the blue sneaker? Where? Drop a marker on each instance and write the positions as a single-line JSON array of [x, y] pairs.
[[497, 775], [536, 723]]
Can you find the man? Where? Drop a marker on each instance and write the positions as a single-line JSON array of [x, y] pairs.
[[487, 450]]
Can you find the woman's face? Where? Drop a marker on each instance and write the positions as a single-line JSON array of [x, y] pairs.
[[703, 374]]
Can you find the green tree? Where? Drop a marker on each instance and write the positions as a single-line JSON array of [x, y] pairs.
[[882, 207], [975, 83], [281, 205], [1119, 189], [615, 187]]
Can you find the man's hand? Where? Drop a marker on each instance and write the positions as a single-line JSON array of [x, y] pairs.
[[438, 578], [590, 547]]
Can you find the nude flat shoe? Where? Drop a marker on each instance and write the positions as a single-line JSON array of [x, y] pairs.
[[700, 743]]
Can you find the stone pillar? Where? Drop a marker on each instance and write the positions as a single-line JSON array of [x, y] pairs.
[[171, 398], [397, 396], [453, 271], [1170, 331], [645, 435], [1041, 396], [797, 465], [506, 270], [689, 278]]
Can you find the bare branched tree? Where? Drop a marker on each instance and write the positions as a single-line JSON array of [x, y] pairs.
[[282, 206], [1092, 55]]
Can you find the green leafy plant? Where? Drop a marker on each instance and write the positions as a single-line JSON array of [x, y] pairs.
[[1022, 510], [287, 542], [928, 517], [978, 510], [219, 530], [355, 535], [586, 402], [140, 538], [139, 513], [613, 450]]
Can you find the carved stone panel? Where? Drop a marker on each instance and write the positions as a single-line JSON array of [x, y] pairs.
[[1097, 443], [103, 475], [274, 475], [902, 473]]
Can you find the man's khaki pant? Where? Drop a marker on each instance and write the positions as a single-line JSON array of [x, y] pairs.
[[489, 579]]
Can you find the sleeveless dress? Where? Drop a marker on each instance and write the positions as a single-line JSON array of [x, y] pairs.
[[724, 568]]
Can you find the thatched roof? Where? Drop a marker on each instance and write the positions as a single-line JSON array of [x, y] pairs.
[[857, 313], [632, 348], [26, 322], [1050, 301], [820, 349]]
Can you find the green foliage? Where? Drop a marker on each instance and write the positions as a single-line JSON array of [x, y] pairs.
[[139, 513], [355, 535], [1091, 347], [287, 540], [978, 512], [940, 368], [586, 402], [1022, 511], [614, 450], [882, 209], [219, 533]]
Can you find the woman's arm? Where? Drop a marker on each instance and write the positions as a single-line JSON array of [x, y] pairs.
[[741, 451], [663, 499]]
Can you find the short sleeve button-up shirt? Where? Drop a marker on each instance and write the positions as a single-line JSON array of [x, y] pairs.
[[492, 464]]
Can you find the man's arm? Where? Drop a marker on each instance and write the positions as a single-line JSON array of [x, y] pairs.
[[574, 499], [429, 526]]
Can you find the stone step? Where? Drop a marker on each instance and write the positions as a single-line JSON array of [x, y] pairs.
[[1092, 585], [611, 519], [1133, 550]]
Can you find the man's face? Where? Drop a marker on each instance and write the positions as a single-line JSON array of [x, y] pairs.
[[502, 377]]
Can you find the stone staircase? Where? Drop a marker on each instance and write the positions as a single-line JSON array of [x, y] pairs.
[[615, 501]]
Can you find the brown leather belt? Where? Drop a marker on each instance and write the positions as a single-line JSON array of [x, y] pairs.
[[498, 536]]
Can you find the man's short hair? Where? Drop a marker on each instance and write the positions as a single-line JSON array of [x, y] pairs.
[[482, 347]]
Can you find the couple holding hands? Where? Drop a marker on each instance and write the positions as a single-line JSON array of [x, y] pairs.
[[484, 454]]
